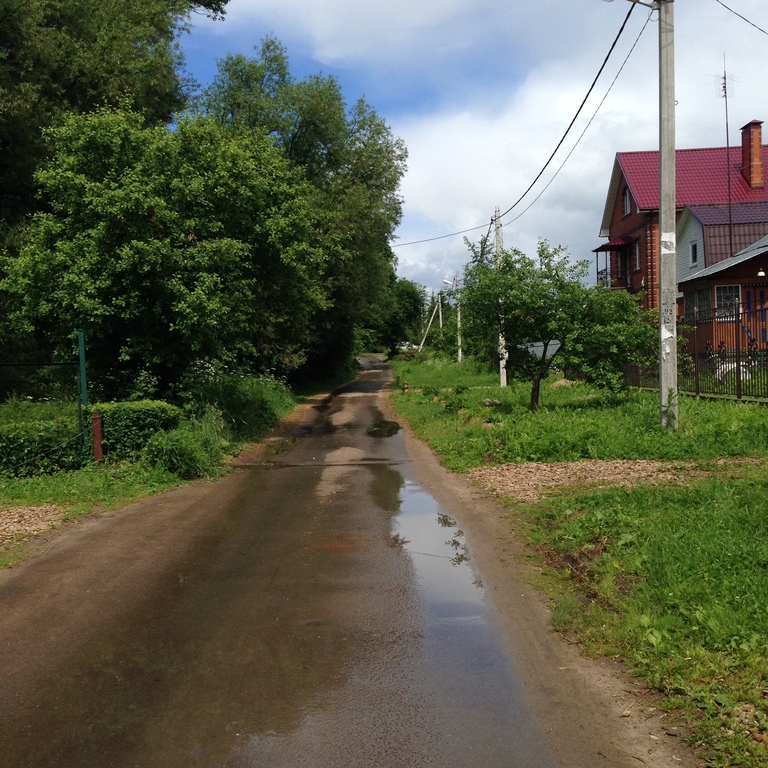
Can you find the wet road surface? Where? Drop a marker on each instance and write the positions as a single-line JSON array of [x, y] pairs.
[[315, 609]]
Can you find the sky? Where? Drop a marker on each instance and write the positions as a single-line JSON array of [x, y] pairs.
[[482, 92]]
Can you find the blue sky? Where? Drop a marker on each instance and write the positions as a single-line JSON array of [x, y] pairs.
[[481, 93]]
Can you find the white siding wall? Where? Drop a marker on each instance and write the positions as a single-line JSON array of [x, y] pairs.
[[690, 231]]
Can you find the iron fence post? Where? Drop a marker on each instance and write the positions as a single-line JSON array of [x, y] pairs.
[[83, 386], [696, 384], [737, 329]]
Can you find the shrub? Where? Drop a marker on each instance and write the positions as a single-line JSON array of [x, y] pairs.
[[193, 449], [250, 405], [40, 447], [127, 427]]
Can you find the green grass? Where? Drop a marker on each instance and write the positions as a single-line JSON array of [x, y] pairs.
[[429, 370], [675, 581], [471, 427], [104, 486], [671, 578]]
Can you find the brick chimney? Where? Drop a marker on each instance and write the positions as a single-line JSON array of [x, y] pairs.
[[752, 154]]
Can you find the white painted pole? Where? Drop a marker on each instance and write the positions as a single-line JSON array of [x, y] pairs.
[[502, 342]]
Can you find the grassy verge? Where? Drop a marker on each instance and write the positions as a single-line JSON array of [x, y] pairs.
[[102, 487], [223, 415], [671, 578], [428, 370]]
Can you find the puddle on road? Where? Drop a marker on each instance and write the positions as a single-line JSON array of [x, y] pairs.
[[426, 679], [382, 427], [476, 683], [437, 546]]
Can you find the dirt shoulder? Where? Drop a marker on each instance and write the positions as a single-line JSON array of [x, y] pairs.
[[601, 710]]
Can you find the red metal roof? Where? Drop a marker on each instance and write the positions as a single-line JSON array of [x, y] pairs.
[[613, 245], [712, 214], [701, 176]]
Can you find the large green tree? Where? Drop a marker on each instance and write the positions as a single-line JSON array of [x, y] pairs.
[[60, 56], [171, 248], [349, 155], [547, 316]]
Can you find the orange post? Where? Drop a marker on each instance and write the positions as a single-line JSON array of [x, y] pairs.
[[96, 423]]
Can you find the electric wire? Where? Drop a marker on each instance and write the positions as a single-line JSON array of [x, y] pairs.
[[544, 168], [743, 18], [578, 112], [586, 127], [439, 237]]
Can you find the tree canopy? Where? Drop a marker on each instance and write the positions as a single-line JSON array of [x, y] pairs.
[[350, 157], [62, 56], [547, 316], [254, 235]]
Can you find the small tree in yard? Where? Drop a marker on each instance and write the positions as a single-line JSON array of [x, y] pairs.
[[547, 315]]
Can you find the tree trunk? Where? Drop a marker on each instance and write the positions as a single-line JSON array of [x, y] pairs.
[[535, 389]]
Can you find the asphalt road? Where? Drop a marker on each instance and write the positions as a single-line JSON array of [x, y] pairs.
[[317, 607]]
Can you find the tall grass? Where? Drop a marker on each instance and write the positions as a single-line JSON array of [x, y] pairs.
[[18, 410], [193, 449], [249, 405], [429, 369], [473, 427]]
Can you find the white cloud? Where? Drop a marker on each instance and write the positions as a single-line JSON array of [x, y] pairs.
[[481, 92]]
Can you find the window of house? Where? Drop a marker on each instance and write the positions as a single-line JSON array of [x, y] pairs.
[[627, 202], [694, 254], [622, 259], [638, 263], [704, 303], [726, 297], [689, 303]]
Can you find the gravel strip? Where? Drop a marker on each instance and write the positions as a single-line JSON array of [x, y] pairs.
[[532, 481], [21, 523]]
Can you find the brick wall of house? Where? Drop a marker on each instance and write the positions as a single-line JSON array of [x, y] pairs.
[[636, 225]]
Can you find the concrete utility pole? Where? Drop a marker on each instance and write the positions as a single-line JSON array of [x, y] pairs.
[[502, 342], [668, 405], [667, 213], [458, 317], [455, 285]]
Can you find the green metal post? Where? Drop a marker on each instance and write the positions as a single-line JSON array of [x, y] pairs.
[[83, 386], [83, 382]]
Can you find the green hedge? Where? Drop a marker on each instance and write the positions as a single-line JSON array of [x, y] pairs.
[[40, 447], [128, 427]]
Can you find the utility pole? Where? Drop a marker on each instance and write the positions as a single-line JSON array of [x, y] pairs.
[[668, 404], [502, 342], [667, 213], [455, 285], [458, 315]]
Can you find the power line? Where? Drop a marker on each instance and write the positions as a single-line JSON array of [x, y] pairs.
[[439, 237], [743, 18], [544, 168], [578, 112], [586, 127]]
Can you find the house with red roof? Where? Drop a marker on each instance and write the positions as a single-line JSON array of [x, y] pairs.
[[718, 176], [709, 234]]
